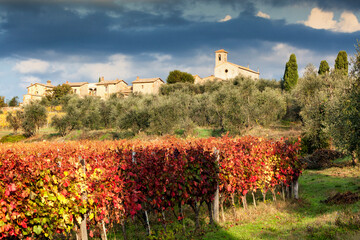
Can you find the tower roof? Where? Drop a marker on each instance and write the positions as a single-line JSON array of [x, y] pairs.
[[221, 51]]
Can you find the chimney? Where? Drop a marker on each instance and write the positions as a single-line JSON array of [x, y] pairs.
[[101, 79], [67, 82], [48, 82], [137, 78]]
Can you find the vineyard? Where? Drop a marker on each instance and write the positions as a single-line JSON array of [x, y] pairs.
[[52, 189]]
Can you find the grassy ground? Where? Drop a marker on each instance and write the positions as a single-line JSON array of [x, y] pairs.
[[307, 218], [282, 129], [276, 131]]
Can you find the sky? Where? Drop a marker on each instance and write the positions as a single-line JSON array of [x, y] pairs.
[[82, 40]]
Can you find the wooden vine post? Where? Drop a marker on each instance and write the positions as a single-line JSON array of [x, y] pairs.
[[133, 159], [103, 231], [295, 186], [216, 197], [83, 229]]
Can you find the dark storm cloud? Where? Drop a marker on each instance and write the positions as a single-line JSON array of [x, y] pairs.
[[40, 28], [53, 28], [324, 4]]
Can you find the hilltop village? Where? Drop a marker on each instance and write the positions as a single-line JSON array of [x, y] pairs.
[[223, 70]]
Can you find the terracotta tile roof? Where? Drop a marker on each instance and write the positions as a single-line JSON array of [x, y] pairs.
[[34, 95], [41, 84], [146, 80], [221, 51], [76, 84], [211, 78], [107, 82]]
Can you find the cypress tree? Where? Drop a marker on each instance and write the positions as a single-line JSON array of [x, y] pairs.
[[324, 67], [341, 62], [291, 75]]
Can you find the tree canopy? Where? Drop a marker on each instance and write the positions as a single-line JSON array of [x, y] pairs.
[[2, 102], [15, 120], [341, 62], [344, 113], [178, 76], [291, 75], [59, 91], [35, 116], [324, 67]]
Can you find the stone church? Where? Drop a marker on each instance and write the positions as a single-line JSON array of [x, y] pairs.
[[227, 70]]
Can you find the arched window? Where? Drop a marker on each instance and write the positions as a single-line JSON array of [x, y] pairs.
[[226, 71], [219, 57]]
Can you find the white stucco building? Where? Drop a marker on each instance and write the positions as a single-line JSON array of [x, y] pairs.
[[227, 70]]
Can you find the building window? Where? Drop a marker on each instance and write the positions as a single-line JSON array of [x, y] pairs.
[[75, 91], [106, 88], [219, 57], [142, 86], [226, 71]]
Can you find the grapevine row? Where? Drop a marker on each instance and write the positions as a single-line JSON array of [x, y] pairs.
[[49, 188]]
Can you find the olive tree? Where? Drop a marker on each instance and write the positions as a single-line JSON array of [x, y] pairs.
[[344, 112], [311, 94], [15, 120], [35, 116]]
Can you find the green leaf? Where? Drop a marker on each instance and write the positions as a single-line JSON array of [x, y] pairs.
[[37, 229], [52, 198], [62, 199], [83, 210]]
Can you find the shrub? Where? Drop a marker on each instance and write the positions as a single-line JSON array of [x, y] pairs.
[[178, 76], [123, 134], [322, 158], [12, 138]]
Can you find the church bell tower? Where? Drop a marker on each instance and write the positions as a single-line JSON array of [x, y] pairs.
[[220, 57]]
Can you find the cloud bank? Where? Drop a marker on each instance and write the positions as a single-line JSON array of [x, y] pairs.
[[226, 18], [263, 15], [320, 19]]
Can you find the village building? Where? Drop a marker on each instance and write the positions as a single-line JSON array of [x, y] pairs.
[[223, 70], [37, 91], [126, 91], [147, 85], [104, 88], [210, 78], [227, 70], [79, 88], [197, 79]]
